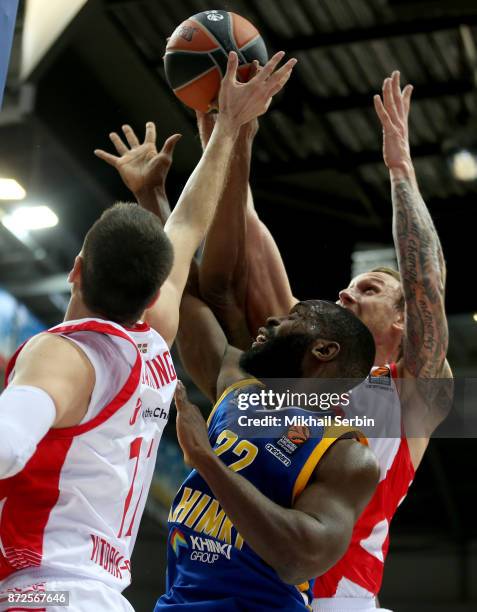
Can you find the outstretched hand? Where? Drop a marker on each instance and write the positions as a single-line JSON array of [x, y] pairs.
[[191, 429], [140, 165], [239, 102], [393, 113]]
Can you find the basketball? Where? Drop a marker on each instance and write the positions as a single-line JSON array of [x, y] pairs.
[[298, 435], [197, 52]]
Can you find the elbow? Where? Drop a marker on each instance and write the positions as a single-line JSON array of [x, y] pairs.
[[300, 566]]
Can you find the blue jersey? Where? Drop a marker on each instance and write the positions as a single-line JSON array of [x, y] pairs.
[[210, 567]]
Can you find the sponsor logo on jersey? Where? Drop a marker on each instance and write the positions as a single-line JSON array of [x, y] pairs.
[[178, 541], [286, 444], [206, 550], [142, 347], [380, 377], [138, 407], [161, 414], [273, 450], [108, 557], [203, 514], [155, 413]]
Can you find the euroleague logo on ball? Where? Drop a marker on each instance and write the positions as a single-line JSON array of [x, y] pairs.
[[214, 16]]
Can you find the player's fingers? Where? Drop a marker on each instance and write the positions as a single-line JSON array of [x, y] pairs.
[[170, 144], [119, 145], [232, 65], [107, 157], [150, 136], [180, 396], [130, 136], [280, 77], [270, 66], [397, 94], [254, 69], [388, 98], [381, 112], [406, 99]]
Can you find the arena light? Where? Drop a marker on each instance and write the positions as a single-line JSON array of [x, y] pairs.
[[10, 189], [28, 218], [464, 165], [475, 317]]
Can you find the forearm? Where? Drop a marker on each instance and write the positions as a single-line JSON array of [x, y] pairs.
[[223, 270], [268, 291], [197, 203], [154, 200], [290, 541], [200, 339], [422, 267]]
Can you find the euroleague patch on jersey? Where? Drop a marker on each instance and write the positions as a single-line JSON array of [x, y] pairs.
[[380, 377], [294, 438]]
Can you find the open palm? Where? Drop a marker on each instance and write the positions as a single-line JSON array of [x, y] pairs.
[[140, 165]]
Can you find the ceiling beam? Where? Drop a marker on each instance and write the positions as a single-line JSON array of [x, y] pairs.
[[381, 31], [341, 163], [311, 201], [422, 91]]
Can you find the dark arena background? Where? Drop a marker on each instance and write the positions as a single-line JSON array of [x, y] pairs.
[[80, 69]]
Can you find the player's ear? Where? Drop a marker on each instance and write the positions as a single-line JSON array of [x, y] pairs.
[[75, 275], [398, 322], [325, 350]]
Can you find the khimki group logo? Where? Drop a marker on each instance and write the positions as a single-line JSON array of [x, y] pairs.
[[178, 541]]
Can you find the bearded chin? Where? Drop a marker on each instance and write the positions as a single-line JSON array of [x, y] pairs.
[[279, 357]]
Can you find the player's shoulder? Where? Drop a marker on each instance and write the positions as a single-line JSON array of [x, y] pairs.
[[53, 350]]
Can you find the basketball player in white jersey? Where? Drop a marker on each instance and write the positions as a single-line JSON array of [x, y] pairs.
[[86, 402], [244, 280]]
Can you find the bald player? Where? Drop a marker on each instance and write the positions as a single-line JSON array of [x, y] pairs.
[[86, 402], [244, 280]]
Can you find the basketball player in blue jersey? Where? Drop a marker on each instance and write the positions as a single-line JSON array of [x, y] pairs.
[[258, 517]]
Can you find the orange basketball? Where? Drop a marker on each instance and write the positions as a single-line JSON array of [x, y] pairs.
[[298, 435], [197, 52]]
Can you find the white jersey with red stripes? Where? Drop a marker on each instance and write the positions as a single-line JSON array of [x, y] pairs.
[[359, 573], [74, 510]]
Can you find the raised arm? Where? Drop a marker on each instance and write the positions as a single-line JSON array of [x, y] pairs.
[[242, 276], [211, 362], [223, 269], [187, 225], [419, 252], [301, 542]]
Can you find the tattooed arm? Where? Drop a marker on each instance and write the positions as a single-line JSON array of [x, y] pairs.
[[421, 264]]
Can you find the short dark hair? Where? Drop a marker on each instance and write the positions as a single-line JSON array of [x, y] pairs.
[[358, 350], [126, 258]]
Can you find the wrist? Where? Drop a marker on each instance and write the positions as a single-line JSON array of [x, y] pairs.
[[226, 127], [402, 171], [204, 461]]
